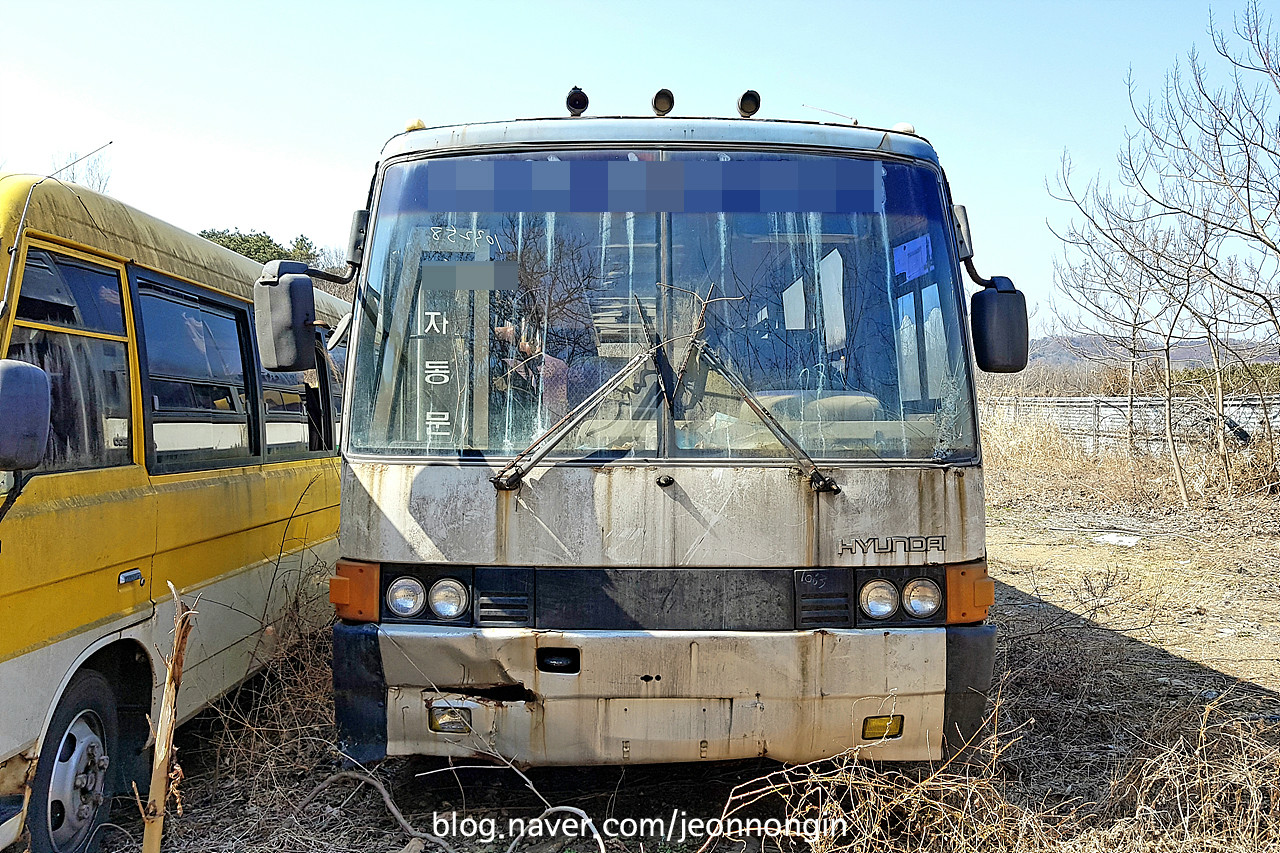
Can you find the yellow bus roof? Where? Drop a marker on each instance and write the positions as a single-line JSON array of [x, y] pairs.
[[82, 216]]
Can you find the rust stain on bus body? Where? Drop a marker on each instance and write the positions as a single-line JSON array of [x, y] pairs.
[[812, 501], [502, 525], [15, 773]]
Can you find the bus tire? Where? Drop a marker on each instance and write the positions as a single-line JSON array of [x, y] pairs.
[[69, 797]]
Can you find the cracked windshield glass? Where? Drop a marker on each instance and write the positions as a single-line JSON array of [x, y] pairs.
[[824, 284]]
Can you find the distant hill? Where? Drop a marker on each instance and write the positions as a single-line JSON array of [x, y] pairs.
[[1065, 351]]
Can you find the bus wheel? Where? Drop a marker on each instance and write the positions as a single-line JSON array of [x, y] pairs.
[[69, 797]]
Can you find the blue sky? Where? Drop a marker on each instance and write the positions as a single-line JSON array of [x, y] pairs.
[[271, 115]]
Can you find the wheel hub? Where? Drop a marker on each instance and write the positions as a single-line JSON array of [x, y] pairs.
[[77, 787]]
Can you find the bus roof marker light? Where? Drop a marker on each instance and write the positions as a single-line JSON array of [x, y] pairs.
[[749, 103], [904, 127], [663, 102], [576, 102]]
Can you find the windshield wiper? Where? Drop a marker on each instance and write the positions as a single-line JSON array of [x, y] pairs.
[[508, 479], [818, 480]]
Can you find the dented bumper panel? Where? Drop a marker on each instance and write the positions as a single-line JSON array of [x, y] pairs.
[[652, 696]]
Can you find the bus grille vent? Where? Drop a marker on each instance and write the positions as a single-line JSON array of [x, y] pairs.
[[498, 610], [824, 610]]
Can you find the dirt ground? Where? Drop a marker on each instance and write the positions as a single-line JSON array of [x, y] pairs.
[[1200, 589], [1114, 627], [1117, 634]]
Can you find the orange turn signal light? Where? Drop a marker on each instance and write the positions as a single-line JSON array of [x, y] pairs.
[[969, 592], [354, 590]]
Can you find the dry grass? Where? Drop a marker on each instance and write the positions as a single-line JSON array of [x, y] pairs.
[[1207, 781], [250, 760], [846, 805], [1204, 778], [1027, 458], [1031, 459]]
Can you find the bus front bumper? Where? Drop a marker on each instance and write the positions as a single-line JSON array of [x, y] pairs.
[[615, 697]]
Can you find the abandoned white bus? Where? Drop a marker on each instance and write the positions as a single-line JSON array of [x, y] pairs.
[[660, 445]]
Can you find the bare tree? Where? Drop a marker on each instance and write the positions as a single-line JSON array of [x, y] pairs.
[[1185, 250], [91, 172], [1207, 156], [1113, 291]]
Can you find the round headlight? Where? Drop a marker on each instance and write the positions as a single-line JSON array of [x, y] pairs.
[[448, 599], [921, 598], [406, 597], [878, 599]]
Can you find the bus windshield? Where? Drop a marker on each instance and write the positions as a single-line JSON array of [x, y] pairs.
[[504, 289]]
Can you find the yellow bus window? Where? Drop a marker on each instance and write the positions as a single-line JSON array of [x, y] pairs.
[[62, 291], [195, 361], [91, 417]]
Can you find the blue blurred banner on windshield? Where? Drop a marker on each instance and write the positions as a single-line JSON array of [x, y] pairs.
[[828, 185]]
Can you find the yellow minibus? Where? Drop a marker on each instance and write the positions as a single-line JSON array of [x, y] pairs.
[[141, 444]]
